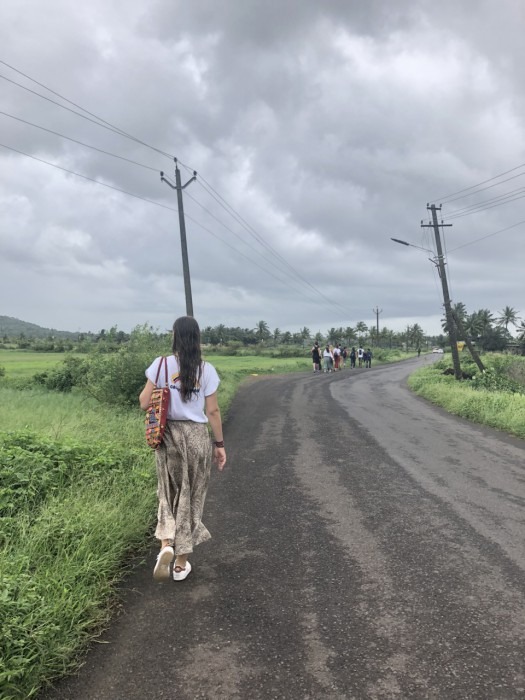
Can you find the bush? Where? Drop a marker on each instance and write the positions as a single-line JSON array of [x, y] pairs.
[[32, 467], [65, 376]]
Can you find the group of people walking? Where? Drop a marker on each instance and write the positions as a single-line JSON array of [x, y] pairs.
[[333, 358]]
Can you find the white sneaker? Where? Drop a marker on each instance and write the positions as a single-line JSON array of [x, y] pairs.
[[181, 575], [161, 572]]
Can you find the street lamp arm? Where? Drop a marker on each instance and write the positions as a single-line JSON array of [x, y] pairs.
[[411, 245]]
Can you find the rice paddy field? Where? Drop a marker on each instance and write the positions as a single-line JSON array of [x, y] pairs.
[[19, 364]]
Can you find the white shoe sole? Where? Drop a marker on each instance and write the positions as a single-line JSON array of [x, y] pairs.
[[161, 572]]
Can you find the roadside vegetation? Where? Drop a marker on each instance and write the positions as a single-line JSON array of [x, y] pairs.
[[495, 397]]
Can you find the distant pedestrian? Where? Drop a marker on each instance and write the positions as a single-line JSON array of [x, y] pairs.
[[316, 357], [328, 359], [337, 357], [344, 355], [368, 358], [352, 358], [360, 356], [418, 351]]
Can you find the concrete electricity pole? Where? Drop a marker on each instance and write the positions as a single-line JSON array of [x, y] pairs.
[[377, 311], [444, 284], [184, 246]]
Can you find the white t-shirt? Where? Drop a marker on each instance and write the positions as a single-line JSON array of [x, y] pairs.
[[194, 408], [337, 351], [360, 352]]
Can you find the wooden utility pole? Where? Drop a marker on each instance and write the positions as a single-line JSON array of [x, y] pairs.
[[182, 226], [444, 284]]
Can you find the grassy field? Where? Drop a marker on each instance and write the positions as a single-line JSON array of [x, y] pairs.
[[20, 364]]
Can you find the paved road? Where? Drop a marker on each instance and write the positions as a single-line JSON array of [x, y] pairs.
[[366, 545]]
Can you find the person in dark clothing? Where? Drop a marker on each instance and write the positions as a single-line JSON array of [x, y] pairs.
[[352, 358], [316, 357], [368, 358]]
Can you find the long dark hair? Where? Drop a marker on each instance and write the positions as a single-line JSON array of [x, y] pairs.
[[187, 347]]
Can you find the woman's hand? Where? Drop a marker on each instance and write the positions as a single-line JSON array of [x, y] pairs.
[[219, 457]]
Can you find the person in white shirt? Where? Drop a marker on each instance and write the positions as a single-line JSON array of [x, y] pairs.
[[328, 359], [185, 455], [360, 355], [337, 357]]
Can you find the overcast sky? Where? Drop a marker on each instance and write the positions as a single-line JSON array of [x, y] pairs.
[[319, 130]]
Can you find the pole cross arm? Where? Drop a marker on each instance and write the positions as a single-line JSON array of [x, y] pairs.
[[174, 187], [165, 179], [190, 180]]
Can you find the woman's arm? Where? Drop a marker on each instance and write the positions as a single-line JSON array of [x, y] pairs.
[[145, 395], [213, 413]]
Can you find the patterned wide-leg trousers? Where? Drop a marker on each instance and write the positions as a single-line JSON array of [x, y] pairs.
[[183, 471]]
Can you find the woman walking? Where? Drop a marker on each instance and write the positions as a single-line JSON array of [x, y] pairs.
[[316, 357], [184, 458], [328, 359]]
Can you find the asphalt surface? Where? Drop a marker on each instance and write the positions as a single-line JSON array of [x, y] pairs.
[[365, 545]]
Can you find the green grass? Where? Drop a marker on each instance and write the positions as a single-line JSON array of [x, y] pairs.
[[20, 364], [498, 409]]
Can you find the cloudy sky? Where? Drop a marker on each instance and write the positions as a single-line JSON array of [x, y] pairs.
[[319, 130]]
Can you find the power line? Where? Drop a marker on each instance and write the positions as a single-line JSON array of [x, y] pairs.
[[466, 189], [86, 145], [483, 189], [151, 201], [477, 240], [477, 211], [86, 177], [99, 121], [80, 143], [230, 210], [485, 203], [107, 125]]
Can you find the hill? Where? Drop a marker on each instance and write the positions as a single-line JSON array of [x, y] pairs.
[[14, 327]]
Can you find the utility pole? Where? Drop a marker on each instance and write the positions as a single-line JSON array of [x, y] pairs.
[[183, 244], [471, 348], [377, 312], [444, 284]]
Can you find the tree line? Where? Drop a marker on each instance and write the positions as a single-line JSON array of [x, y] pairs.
[[486, 330]]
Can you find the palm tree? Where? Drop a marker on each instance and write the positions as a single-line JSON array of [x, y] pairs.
[[508, 315], [486, 319], [333, 335], [349, 333], [262, 331], [276, 335], [416, 334], [305, 333], [361, 329], [221, 332], [460, 310]]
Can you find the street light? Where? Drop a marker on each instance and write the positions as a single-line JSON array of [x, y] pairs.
[[397, 240], [439, 261]]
